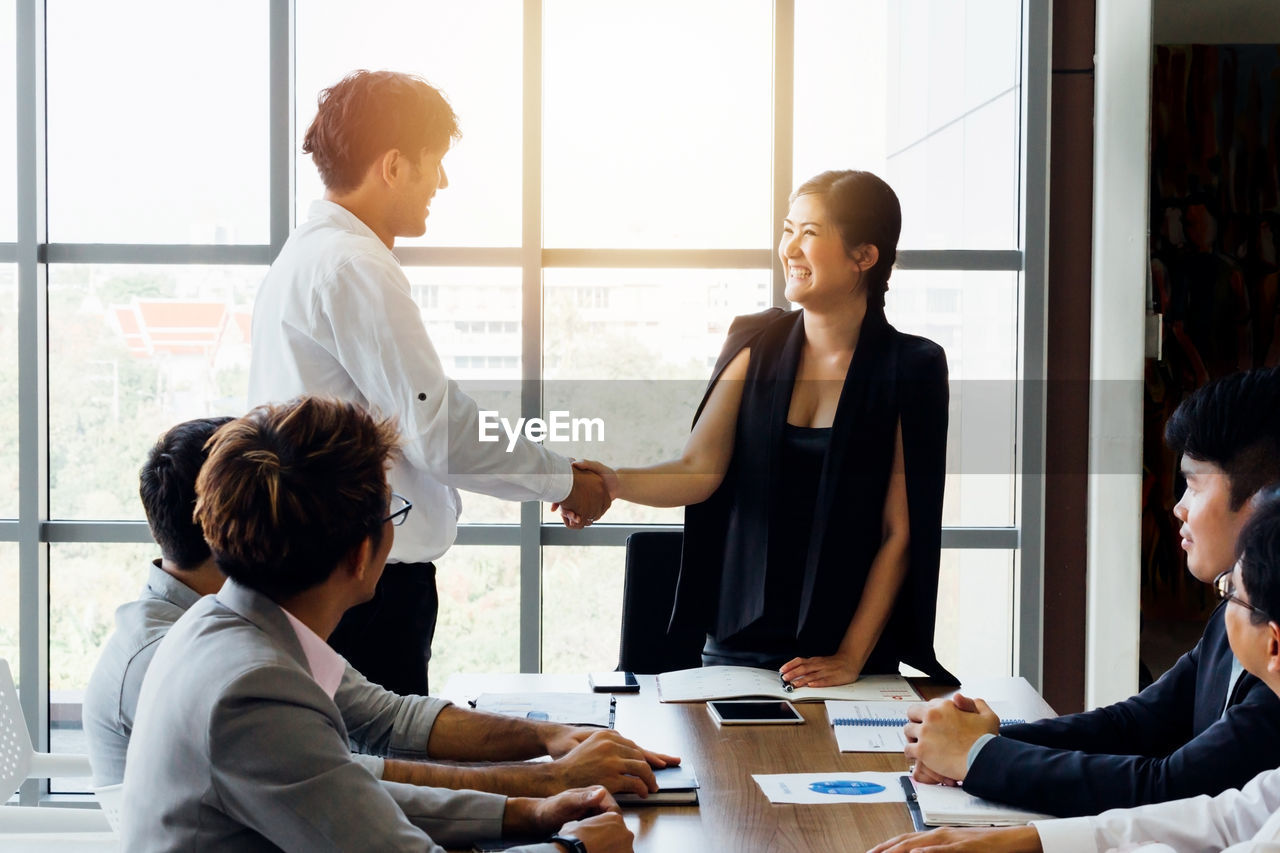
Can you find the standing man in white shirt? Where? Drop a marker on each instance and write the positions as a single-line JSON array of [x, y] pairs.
[[334, 316], [1235, 821]]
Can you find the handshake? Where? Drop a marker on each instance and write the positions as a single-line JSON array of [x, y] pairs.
[[595, 485]]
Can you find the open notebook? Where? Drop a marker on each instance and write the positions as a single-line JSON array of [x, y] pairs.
[[741, 682], [877, 726]]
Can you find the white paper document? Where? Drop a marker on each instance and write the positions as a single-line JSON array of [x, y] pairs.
[[739, 682], [573, 709], [820, 788]]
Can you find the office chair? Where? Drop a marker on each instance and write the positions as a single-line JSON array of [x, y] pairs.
[[48, 830], [653, 562], [110, 798]]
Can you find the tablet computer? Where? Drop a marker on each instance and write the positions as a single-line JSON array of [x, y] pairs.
[[753, 712]]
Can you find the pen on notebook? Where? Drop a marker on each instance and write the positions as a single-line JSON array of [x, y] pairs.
[[786, 685]]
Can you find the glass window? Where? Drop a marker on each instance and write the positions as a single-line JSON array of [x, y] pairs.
[[134, 350], [657, 147], [582, 598], [9, 111], [8, 391], [974, 317], [479, 623], [87, 582], [157, 122], [928, 100], [9, 605], [635, 348], [474, 58], [973, 633], [472, 315]]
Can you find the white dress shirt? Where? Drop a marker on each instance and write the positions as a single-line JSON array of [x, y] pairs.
[[335, 316], [1235, 821]]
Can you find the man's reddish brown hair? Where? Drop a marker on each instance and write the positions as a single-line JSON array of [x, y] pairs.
[[367, 114]]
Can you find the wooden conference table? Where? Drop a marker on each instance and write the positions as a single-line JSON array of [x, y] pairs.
[[733, 814]]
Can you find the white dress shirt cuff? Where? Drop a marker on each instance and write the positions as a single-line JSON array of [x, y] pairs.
[[975, 749], [1069, 835], [561, 484], [373, 763]]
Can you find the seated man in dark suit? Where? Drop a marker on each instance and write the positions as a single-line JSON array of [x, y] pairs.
[[429, 728], [238, 744], [1206, 725], [1244, 820]]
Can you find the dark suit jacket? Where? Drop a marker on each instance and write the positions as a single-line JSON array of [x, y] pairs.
[[1169, 742], [892, 378]]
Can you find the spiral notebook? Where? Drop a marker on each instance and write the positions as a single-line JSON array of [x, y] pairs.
[[875, 726]]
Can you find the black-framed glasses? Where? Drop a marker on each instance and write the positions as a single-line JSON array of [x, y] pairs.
[[399, 509], [1226, 591]]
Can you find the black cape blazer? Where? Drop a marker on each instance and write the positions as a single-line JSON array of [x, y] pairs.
[[891, 377]]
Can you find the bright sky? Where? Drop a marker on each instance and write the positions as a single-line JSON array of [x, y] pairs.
[[656, 114]]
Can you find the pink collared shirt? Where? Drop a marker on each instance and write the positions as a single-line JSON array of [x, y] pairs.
[[326, 665]]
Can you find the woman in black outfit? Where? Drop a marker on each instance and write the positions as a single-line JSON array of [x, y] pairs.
[[814, 472]]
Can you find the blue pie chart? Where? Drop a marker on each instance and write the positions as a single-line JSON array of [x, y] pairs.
[[842, 788]]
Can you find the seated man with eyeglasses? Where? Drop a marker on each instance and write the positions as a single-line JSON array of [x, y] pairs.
[[238, 742], [379, 723], [1235, 821], [1206, 725]]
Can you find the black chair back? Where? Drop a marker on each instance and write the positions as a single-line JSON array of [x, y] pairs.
[[648, 592]]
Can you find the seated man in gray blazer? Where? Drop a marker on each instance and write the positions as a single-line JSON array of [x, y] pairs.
[[378, 722], [238, 744]]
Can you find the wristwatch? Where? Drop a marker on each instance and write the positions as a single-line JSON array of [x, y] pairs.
[[573, 845]]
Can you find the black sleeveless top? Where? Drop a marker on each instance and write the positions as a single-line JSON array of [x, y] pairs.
[[727, 586], [770, 641]]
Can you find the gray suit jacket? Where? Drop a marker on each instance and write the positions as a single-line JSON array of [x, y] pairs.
[[237, 748], [378, 721], [111, 701]]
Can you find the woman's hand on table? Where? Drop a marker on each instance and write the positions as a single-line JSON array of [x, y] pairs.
[[828, 671]]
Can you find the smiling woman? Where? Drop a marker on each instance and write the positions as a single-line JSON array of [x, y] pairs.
[[806, 545]]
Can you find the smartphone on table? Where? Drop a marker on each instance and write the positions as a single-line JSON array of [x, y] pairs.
[[614, 682]]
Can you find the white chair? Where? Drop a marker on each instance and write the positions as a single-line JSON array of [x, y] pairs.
[[47, 830], [110, 798]]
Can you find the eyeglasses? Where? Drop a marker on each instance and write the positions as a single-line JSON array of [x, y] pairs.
[[1226, 591], [400, 507]]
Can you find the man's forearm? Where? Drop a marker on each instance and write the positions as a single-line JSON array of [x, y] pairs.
[[460, 735], [516, 779]]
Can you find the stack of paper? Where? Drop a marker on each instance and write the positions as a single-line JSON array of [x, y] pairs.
[[943, 806], [735, 682]]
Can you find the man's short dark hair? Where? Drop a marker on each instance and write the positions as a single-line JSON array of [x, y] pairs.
[[1233, 423], [167, 486], [1258, 550], [368, 113], [290, 490]]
